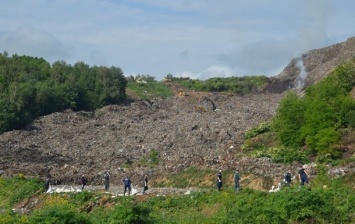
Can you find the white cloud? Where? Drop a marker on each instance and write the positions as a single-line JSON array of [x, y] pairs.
[[211, 72], [26, 40]]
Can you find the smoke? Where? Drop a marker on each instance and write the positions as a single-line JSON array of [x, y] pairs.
[[302, 75], [316, 17]]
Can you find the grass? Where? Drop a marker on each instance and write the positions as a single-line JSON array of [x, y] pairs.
[[14, 190], [148, 90]]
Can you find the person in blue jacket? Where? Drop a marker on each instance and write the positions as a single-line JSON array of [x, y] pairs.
[[127, 186], [303, 176]]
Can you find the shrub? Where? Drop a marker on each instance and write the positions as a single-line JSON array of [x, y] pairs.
[[58, 214], [127, 213], [9, 218], [261, 128], [82, 197], [349, 118], [282, 154]]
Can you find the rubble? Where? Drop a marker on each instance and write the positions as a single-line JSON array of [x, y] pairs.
[[119, 138]]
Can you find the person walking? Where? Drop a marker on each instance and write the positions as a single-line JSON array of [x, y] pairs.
[[107, 181], [219, 180], [236, 180], [303, 176], [127, 186], [288, 178], [83, 182], [145, 184]]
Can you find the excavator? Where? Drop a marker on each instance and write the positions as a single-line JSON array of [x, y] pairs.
[[213, 106], [200, 108], [166, 79], [141, 81]]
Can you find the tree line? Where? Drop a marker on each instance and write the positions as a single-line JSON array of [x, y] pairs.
[[238, 85], [32, 87]]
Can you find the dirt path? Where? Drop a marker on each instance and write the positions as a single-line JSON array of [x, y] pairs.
[[117, 190]]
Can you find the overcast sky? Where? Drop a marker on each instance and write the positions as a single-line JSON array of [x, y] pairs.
[[195, 38]]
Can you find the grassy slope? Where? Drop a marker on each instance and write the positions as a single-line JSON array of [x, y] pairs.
[[148, 90]]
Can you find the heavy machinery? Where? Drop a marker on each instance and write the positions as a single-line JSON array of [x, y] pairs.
[[209, 103], [205, 104], [166, 79], [141, 81]]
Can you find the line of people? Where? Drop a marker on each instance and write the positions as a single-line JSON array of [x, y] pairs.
[[303, 177]]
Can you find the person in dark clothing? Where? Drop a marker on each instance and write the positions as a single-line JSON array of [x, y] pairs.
[[303, 176], [236, 181], [83, 181], [47, 184], [219, 180], [145, 184], [288, 178], [127, 186], [107, 181]]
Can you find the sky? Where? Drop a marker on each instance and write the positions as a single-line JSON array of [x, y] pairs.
[[199, 39]]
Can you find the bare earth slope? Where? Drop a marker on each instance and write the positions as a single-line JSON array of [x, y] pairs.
[[75, 143]]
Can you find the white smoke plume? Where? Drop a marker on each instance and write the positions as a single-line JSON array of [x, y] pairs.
[[302, 75]]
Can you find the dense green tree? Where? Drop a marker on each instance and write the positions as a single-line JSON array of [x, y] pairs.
[[289, 120], [111, 85], [31, 87]]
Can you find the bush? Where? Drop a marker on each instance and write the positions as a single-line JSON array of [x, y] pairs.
[[282, 154], [127, 213], [260, 129], [238, 85], [58, 214], [81, 197], [152, 159], [10, 218]]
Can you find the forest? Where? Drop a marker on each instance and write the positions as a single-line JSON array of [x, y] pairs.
[[31, 87]]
